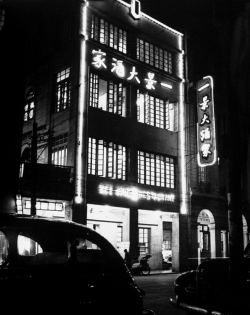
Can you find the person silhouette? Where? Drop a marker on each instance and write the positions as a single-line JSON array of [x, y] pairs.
[[128, 259]]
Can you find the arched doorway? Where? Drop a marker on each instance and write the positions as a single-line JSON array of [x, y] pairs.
[[206, 235]]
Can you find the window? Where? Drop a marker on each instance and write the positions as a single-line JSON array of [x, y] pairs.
[[156, 170], [167, 236], [156, 112], [66, 31], [107, 159], [108, 95], [59, 150], [27, 246], [63, 92], [202, 174], [154, 56], [29, 106], [119, 235], [144, 241], [204, 238], [108, 34]]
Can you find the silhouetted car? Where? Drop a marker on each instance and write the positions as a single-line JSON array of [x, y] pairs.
[[61, 266], [206, 289]]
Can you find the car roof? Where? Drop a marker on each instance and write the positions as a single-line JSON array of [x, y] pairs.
[[22, 221]]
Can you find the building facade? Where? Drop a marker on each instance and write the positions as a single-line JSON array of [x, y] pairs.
[[104, 125]]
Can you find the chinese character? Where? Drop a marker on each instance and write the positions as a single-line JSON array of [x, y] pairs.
[[205, 134], [204, 105], [118, 67], [205, 119], [133, 74], [99, 61], [150, 81], [205, 150]]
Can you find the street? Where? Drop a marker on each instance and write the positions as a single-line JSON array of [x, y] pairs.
[[159, 288]]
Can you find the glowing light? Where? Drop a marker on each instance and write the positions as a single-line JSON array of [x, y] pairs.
[[81, 101], [183, 195], [207, 152], [167, 85], [135, 9], [135, 194], [203, 87]]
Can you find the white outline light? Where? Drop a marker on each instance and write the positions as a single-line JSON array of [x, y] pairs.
[[213, 124], [203, 87], [81, 103], [167, 85]]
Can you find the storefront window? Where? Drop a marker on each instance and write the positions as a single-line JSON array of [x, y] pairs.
[[144, 241]]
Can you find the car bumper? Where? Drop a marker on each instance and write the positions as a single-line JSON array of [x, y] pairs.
[[148, 312], [194, 309]]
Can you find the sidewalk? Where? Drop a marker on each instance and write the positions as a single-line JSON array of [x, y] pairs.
[[159, 272]]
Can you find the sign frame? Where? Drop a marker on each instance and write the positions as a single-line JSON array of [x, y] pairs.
[[206, 135]]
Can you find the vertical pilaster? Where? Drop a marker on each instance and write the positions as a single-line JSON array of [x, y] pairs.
[[133, 233]]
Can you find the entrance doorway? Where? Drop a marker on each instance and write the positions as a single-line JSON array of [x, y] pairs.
[[206, 235]]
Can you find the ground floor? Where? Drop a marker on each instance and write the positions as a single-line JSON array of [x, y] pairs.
[[187, 239]]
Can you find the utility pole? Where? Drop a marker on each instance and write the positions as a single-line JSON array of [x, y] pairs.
[[33, 169]]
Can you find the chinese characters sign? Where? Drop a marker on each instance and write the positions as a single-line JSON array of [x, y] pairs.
[[206, 122], [125, 71], [135, 194]]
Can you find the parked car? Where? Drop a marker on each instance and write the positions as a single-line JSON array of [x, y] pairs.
[[206, 289], [61, 266]]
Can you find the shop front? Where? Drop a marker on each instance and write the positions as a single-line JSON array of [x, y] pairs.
[[133, 218]]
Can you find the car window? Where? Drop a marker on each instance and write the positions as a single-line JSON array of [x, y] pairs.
[[27, 246], [4, 248]]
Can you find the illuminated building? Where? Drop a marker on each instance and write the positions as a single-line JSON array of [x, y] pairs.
[[105, 86]]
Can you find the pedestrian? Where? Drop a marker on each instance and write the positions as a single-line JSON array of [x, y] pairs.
[[128, 259]]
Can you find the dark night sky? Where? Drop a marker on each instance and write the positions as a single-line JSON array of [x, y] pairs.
[[193, 16]]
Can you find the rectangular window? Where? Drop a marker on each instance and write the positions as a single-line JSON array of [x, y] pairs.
[[29, 106], [157, 112], [156, 170], [144, 241], [63, 90], [108, 95], [154, 56], [108, 34], [107, 159], [119, 234], [59, 150], [202, 174]]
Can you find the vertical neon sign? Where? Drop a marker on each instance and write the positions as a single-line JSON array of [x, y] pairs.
[[206, 141]]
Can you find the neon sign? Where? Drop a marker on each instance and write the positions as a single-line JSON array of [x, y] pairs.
[[206, 122], [135, 9], [135, 194], [99, 62]]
